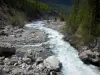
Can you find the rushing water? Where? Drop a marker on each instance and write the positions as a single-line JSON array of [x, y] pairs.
[[71, 63]]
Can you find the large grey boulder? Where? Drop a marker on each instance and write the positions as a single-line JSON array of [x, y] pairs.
[[90, 57], [52, 63]]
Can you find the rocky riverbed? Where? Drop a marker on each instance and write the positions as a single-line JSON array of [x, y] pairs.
[[88, 53], [24, 51]]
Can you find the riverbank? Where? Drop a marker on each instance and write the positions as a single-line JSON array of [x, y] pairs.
[[88, 53], [27, 52]]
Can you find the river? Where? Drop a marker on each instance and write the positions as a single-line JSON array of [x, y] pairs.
[[67, 55]]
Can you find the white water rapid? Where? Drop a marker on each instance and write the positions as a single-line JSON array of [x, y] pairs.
[[68, 56]]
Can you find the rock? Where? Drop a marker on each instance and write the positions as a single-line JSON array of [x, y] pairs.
[[39, 60], [20, 61], [83, 56], [2, 58], [16, 71], [40, 67], [56, 65], [33, 55], [53, 73], [90, 57], [26, 60], [6, 49], [34, 66], [7, 61], [7, 70], [29, 67], [23, 65], [29, 52], [3, 33], [14, 60]]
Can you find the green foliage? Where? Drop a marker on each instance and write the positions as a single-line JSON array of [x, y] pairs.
[[30, 7], [84, 19], [16, 21]]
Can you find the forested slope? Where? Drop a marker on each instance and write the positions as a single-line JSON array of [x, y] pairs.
[[16, 12], [83, 29], [84, 19], [59, 5]]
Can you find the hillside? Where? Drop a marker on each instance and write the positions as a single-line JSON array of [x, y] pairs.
[[83, 29], [20, 11], [59, 5]]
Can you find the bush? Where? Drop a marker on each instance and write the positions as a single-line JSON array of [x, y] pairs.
[[16, 21]]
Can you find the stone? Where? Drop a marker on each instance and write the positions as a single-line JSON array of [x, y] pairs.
[[6, 49], [7, 70], [16, 71], [40, 67], [39, 60], [24, 65], [89, 57], [16, 64], [53, 73], [7, 61], [26, 60], [14, 60], [85, 55], [29, 67], [52, 63]]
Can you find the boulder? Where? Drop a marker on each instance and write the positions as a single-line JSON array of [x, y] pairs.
[[53, 73], [52, 63], [40, 67], [27, 60], [90, 57], [39, 60], [14, 60], [16, 71], [85, 55], [6, 49]]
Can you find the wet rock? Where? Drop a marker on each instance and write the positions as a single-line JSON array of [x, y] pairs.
[[90, 57], [83, 56], [56, 65]]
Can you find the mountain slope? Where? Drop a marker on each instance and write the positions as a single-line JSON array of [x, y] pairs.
[[59, 5], [16, 12]]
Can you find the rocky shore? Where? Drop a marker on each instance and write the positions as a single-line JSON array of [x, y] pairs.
[[88, 53], [23, 51]]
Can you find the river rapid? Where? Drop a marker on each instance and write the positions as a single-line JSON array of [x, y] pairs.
[[68, 56]]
